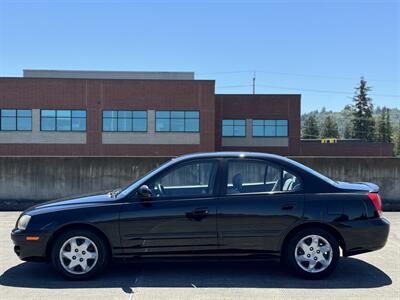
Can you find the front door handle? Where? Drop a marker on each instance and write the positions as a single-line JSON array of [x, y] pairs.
[[198, 213]]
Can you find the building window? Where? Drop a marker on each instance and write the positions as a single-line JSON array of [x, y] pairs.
[[177, 121], [234, 128], [16, 119], [270, 128], [62, 120], [125, 120]]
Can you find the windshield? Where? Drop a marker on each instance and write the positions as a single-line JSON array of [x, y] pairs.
[[138, 182]]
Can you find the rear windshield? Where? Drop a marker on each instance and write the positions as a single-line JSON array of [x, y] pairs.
[[313, 172]]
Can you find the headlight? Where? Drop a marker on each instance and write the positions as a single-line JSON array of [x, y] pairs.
[[23, 222]]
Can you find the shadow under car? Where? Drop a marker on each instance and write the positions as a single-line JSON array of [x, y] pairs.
[[350, 273]]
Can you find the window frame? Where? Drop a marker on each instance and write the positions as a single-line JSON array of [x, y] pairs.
[[16, 120], [55, 120], [170, 118], [233, 126], [224, 181], [264, 126], [215, 176], [132, 118]]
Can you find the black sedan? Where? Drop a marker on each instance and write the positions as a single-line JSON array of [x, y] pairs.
[[226, 204]]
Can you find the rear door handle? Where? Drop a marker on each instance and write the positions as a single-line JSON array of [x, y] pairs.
[[200, 211], [288, 206]]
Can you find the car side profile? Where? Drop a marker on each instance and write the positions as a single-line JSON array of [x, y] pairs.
[[222, 204]]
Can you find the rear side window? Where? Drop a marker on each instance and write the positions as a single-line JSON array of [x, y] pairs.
[[255, 176]]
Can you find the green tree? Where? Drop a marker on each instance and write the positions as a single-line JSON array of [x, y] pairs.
[[389, 126], [310, 128], [384, 126], [348, 131], [330, 128], [345, 122], [397, 141], [363, 122]]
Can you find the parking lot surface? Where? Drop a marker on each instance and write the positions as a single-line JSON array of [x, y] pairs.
[[374, 275]]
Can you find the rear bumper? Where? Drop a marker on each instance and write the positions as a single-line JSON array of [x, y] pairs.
[[364, 235], [29, 250]]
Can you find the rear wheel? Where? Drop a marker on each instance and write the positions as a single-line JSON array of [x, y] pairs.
[[312, 253], [79, 254]]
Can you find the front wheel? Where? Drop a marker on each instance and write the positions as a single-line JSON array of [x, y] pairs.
[[312, 253], [79, 254]]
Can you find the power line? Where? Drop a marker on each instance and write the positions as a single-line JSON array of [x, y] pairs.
[[224, 72], [298, 75], [307, 90], [233, 86], [326, 76], [326, 91]]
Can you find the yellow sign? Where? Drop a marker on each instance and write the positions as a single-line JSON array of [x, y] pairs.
[[329, 141]]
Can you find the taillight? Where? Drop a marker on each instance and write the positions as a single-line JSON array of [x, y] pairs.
[[376, 200]]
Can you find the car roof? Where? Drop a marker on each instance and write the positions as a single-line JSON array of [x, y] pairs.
[[229, 154]]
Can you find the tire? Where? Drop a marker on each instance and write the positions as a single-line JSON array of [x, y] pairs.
[[79, 254], [314, 261]]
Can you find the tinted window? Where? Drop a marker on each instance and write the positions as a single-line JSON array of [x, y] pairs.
[[192, 179], [125, 120], [177, 121], [63, 120], [290, 182], [16, 119], [255, 176], [269, 128], [234, 128]]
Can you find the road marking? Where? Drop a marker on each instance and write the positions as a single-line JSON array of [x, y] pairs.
[[131, 294]]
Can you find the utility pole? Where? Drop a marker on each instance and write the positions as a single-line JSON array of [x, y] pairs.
[[254, 83]]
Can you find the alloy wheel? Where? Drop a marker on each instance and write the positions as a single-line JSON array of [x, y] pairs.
[[78, 255], [313, 253]]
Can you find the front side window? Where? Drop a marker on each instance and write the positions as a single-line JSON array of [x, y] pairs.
[[125, 120], [256, 176], [234, 128], [270, 128], [16, 119], [194, 179], [177, 121], [62, 120]]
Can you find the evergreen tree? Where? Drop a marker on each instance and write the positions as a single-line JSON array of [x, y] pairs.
[[397, 142], [363, 122], [345, 122], [384, 127], [389, 127], [310, 128], [348, 131], [330, 128]]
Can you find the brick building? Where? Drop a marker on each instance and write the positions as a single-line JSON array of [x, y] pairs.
[[90, 113]]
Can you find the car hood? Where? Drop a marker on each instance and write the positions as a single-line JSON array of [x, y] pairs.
[[95, 199], [358, 186]]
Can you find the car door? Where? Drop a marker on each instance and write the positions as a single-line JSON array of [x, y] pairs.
[[179, 217], [259, 201]]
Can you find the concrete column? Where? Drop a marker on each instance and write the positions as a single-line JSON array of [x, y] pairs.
[[151, 121], [35, 120]]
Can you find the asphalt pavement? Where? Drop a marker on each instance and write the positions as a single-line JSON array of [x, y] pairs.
[[374, 275]]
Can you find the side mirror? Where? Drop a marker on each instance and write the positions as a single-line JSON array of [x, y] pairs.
[[144, 192]]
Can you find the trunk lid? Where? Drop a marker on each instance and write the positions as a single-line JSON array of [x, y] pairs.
[[358, 186]]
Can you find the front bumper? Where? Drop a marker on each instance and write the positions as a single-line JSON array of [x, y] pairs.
[[33, 250], [364, 235]]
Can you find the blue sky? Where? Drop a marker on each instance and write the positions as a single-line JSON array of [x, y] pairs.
[[316, 48]]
